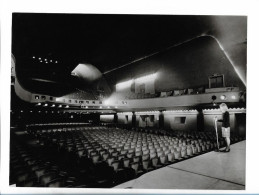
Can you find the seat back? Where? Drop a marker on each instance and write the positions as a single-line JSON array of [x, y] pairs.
[[130, 155], [39, 172], [136, 158], [126, 162], [145, 152], [163, 159], [153, 155], [145, 164], [120, 157], [22, 177], [110, 160], [105, 156], [154, 161], [124, 152], [145, 157], [135, 166], [170, 157], [177, 155], [46, 178], [115, 154], [58, 182], [95, 158], [115, 165]]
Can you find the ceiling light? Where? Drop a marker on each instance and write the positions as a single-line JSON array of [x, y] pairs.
[[50, 60], [45, 104], [39, 104], [33, 57], [100, 106], [56, 62], [60, 106], [45, 59], [39, 58], [67, 106], [233, 97]]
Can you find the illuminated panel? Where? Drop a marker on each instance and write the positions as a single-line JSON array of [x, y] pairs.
[[147, 78], [123, 85]]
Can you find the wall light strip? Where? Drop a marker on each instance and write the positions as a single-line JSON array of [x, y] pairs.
[[124, 84]]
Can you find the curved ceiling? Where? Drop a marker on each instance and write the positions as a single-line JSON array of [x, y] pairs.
[[110, 42]]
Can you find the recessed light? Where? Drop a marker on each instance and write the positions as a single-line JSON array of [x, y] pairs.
[[33, 57], [56, 61], [39, 58]]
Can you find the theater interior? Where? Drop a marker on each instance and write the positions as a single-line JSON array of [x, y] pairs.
[[127, 101]]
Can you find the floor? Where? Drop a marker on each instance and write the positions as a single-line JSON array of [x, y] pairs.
[[213, 170]]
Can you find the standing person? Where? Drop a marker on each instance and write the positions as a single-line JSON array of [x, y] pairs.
[[225, 125]]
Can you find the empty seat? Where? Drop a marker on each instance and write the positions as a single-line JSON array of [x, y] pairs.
[[171, 157], [95, 158], [135, 167], [155, 162], [46, 178], [136, 159], [105, 156], [110, 160], [58, 182], [163, 160], [146, 165], [126, 162]]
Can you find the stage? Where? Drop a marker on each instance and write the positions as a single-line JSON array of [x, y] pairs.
[[211, 171]]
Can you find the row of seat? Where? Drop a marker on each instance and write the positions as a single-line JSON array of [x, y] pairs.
[[29, 170], [107, 156]]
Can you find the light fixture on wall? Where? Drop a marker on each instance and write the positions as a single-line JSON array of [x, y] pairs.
[[223, 97], [233, 97]]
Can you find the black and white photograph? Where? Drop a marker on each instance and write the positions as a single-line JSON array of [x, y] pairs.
[[129, 97], [128, 101]]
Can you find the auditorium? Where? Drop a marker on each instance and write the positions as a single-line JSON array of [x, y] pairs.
[[128, 101]]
